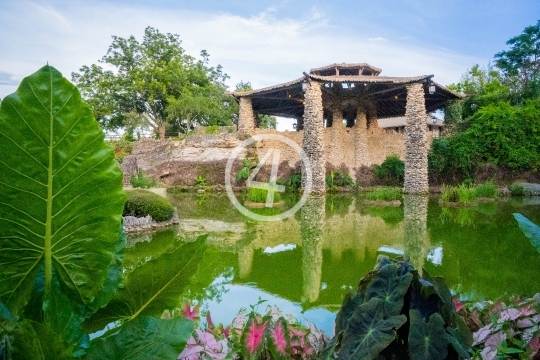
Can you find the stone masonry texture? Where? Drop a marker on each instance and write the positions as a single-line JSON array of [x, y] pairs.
[[416, 146], [246, 117], [313, 139]]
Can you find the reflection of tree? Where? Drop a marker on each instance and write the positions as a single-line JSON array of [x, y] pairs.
[[416, 239], [311, 228]]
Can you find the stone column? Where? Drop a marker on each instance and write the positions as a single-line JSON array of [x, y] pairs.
[[337, 114], [416, 149], [313, 139], [361, 154], [311, 229], [245, 261], [246, 117], [416, 238]]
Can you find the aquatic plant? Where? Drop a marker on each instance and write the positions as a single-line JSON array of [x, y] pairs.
[[61, 240], [384, 194], [530, 229], [487, 190], [398, 313], [259, 195], [516, 190]]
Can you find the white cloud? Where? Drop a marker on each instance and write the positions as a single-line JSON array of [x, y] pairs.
[[377, 39], [264, 49]]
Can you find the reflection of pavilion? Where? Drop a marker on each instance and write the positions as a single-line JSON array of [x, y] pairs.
[[346, 236], [349, 99]]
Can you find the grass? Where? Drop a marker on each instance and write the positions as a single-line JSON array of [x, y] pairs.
[[384, 194], [516, 190], [487, 190], [259, 195], [462, 193], [142, 181]]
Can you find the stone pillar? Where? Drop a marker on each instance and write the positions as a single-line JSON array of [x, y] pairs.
[[312, 218], [416, 148], [361, 154], [416, 238], [313, 139], [246, 117], [337, 114], [245, 261]]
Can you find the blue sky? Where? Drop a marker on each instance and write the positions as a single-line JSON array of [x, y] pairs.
[[267, 42]]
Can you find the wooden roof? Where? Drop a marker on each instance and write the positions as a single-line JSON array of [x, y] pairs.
[[388, 94]]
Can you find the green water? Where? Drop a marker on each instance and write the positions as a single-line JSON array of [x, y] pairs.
[[306, 263]]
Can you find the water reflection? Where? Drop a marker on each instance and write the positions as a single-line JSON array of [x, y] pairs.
[[416, 239], [309, 261], [312, 229]]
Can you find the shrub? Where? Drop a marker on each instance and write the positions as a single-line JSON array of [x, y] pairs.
[[142, 181], [143, 202], [391, 171], [488, 190], [384, 194], [516, 190], [122, 147], [200, 180], [293, 182], [338, 178], [396, 313], [259, 195], [212, 129]]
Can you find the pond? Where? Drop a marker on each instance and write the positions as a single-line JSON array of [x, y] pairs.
[[306, 263]]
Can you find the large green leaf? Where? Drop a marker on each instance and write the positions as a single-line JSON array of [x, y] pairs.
[[350, 304], [369, 332], [154, 286], [391, 287], [530, 229], [145, 338], [427, 341], [61, 196]]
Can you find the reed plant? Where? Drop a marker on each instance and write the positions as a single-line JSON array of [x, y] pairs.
[[259, 195], [384, 194], [487, 190]]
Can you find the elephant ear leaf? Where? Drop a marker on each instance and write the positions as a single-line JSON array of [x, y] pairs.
[[369, 332], [61, 197], [391, 287], [530, 229], [427, 340]]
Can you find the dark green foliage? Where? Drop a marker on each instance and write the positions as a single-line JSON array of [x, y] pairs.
[[338, 178], [397, 314], [143, 202], [293, 182], [144, 338], [142, 181], [516, 190], [391, 171]]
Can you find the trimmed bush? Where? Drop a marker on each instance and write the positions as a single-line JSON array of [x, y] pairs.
[[384, 194], [259, 195], [143, 202]]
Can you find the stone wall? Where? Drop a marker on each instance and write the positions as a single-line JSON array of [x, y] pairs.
[[246, 117]]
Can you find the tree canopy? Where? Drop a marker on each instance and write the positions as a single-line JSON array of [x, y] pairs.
[[155, 83]]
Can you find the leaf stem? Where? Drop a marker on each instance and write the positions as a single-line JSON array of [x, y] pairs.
[[47, 246]]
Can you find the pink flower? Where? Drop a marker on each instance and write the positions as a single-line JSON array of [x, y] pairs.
[[458, 305], [278, 336], [255, 336], [189, 313]]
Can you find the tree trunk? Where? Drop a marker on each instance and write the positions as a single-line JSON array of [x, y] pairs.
[[161, 132]]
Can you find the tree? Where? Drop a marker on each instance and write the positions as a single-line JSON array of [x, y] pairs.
[[521, 64], [154, 83]]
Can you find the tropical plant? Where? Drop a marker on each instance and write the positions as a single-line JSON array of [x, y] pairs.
[[293, 182], [248, 164], [140, 180], [396, 313], [384, 194], [466, 194], [338, 178], [61, 240], [252, 335], [143, 203], [530, 229]]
